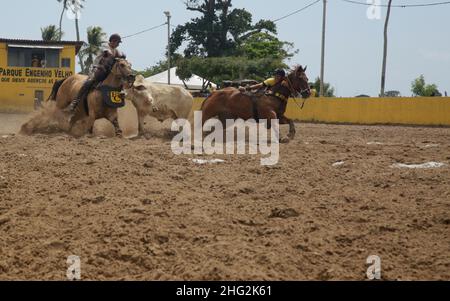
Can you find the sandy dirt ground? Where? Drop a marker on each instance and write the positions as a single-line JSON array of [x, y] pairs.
[[133, 210]]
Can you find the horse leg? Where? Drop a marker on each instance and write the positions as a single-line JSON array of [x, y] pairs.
[[83, 113], [117, 129], [223, 118], [269, 115], [91, 119], [113, 118], [292, 131]]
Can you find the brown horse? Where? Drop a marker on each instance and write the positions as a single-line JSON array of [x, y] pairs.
[[93, 108], [231, 103]]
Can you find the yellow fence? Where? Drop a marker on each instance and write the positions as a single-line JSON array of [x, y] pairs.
[[433, 111], [403, 111]]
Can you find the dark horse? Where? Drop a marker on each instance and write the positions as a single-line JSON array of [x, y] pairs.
[[231, 103]]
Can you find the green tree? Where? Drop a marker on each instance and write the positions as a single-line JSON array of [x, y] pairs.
[[264, 45], [420, 88], [96, 38], [219, 31], [224, 44], [328, 89], [51, 33], [393, 93]]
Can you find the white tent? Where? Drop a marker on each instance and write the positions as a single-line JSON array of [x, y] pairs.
[[194, 83]]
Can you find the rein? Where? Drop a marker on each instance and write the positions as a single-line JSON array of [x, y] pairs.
[[293, 92]]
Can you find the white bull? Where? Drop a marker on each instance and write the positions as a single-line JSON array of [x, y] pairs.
[[159, 101]]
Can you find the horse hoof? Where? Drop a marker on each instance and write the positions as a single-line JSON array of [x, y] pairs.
[[285, 140], [134, 138]]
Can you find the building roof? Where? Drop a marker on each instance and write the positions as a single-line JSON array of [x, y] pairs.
[[77, 45]]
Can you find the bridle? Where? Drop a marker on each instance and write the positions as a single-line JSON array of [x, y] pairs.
[[295, 92], [122, 76], [290, 86]]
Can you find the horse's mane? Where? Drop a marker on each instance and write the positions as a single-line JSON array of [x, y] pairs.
[[111, 61], [296, 68]]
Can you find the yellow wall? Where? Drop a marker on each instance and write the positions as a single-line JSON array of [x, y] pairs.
[[17, 90], [433, 111]]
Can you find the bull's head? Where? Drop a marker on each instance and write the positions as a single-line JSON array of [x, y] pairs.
[[140, 94]]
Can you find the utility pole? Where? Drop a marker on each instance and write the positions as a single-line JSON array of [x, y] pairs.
[[385, 50], [167, 13], [322, 68]]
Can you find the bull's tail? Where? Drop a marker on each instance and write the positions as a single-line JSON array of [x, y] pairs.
[[56, 86]]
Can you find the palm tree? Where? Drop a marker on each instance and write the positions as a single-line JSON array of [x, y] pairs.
[[64, 5], [96, 39], [51, 33], [383, 72], [76, 7]]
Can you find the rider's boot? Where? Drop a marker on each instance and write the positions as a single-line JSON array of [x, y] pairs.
[[73, 105], [84, 91]]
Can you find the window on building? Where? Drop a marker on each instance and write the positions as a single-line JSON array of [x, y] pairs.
[[52, 58], [65, 63], [35, 58]]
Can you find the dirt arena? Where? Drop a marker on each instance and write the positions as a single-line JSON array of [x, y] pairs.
[[132, 210]]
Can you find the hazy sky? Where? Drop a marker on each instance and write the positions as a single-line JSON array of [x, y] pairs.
[[419, 37]]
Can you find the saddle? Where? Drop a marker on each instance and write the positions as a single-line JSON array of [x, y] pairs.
[[112, 97], [109, 95], [256, 96]]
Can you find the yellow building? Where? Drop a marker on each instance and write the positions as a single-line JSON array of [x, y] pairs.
[[29, 68]]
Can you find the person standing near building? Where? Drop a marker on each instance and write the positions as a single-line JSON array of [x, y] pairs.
[[35, 63]]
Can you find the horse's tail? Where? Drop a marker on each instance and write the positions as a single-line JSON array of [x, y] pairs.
[[56, 86]]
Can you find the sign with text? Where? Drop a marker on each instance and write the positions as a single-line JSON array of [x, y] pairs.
[[44, 76]]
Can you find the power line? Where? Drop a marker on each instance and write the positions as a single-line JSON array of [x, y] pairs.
[[203, 31], [300, 10], [297, 11], [144, 31], [276, 20], [398, 5], [206, 31]]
